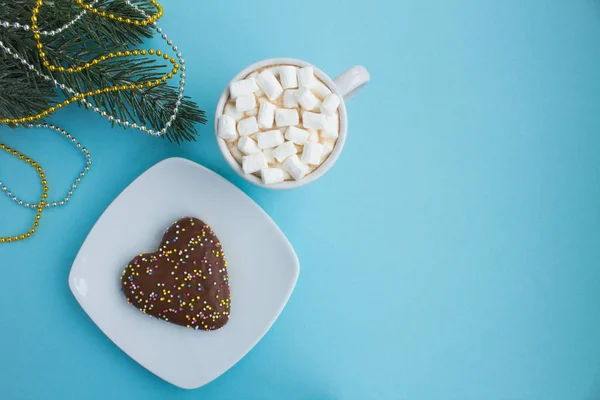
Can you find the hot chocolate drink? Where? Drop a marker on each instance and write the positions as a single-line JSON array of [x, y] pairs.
[[280, 122]]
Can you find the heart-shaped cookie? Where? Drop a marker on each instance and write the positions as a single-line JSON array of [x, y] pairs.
[[185, 282]]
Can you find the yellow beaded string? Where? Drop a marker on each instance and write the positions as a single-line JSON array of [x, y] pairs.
[[30, 118], [150, 20], [88, 64], [42, 202]]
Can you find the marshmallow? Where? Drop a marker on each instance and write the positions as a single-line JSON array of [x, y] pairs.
[[289, 99], [271, 175], [251, 113], [313, 135], [331, 130], [284, 151], [248, 126], [270, 139], [269, 156], [254, 163], [285, 117], [274, 71], [270, 85], [245, 102], [330, 104], [243, 87], [259, 92], [266, 115], [288, 75], [247, 145], [312, 153], [328, 146], [320, 89], [313, 120], [296, 135], [226, 127], [306, 76], [237, 154], [286, 175], [295, 167], [232, 112], [307, 99]]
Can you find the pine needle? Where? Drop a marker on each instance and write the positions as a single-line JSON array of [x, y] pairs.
[[23, 93]]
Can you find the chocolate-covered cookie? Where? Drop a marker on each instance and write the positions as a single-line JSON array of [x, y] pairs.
[[185, 282]]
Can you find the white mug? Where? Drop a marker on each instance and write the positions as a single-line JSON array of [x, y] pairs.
[[345, 86]]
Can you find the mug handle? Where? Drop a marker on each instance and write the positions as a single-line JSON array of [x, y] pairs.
[[351, 81]]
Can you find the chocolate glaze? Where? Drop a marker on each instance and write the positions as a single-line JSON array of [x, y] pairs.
[[185, 282]]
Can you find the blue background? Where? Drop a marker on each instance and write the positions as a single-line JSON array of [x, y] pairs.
[[452, 252]]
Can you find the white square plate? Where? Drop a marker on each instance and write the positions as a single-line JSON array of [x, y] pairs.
[[263, 270]]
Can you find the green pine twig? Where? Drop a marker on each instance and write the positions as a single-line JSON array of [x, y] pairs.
[[23, 93]]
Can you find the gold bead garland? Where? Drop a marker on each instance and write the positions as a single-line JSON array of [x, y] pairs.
[[75, 69], [150, 20], [41, 204]]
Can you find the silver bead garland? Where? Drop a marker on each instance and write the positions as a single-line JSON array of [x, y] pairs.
[[88, 165], [88, 104], [25, 27], [104, 114]]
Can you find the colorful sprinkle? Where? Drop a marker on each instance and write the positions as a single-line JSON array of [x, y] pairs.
[[180, 265]]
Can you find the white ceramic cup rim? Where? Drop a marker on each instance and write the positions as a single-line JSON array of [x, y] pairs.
[[323, 168]]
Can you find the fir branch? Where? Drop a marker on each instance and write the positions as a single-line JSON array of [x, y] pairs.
[[22, 93], [91, 37]]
